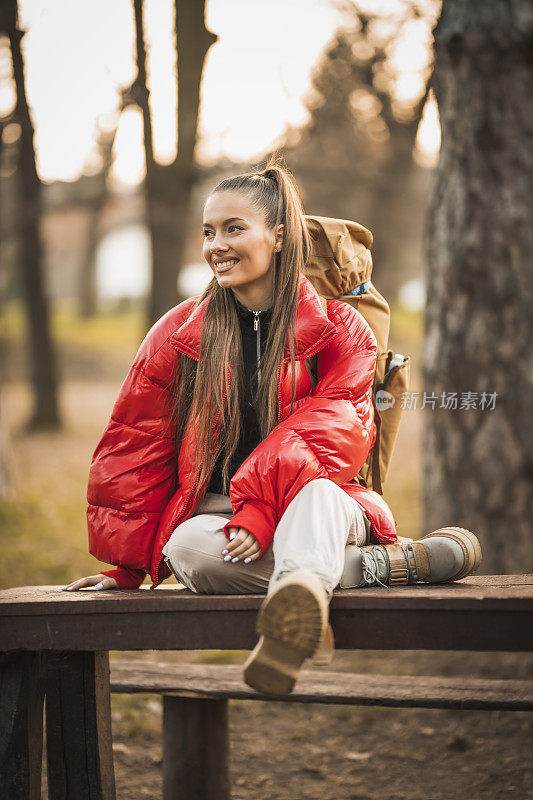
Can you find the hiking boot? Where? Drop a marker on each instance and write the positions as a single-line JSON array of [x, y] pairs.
[[293, 625], [326, 648], [442, 556]]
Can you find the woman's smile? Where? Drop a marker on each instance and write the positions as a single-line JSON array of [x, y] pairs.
[[225, 264]]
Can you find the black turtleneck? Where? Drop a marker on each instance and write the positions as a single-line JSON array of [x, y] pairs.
[[250, 433]]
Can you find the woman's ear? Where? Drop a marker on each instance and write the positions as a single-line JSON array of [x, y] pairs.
[[279, 238]]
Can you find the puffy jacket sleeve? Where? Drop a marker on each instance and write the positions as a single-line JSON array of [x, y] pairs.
[[133, 469], [125, 578], [329, 435]]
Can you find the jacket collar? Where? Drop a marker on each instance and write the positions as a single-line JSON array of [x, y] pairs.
[[247, 318], [312, 328]]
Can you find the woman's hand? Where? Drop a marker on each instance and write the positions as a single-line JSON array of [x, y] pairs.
[[243, 546], [100, 581]]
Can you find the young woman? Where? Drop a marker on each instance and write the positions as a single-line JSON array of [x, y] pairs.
[[223, 465]]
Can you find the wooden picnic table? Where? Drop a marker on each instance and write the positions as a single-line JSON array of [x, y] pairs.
[[57, 643]]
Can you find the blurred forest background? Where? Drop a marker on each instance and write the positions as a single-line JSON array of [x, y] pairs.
[[104, 167], [412, 118]]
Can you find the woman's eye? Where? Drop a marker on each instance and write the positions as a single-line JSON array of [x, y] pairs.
[[231, 228]]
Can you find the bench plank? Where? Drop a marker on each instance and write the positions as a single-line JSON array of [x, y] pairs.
[[479, 613], [212, 681], [494, 592]]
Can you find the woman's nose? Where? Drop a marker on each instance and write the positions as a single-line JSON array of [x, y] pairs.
[[218, 243]]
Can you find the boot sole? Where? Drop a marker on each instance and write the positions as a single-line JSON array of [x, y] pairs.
[[292, 622], [326, 649], [470, 544]]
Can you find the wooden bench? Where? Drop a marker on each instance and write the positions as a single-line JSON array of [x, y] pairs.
[[57, 644], [195, 699]]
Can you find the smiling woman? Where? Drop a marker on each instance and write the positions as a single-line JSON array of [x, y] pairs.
[[224, 464]]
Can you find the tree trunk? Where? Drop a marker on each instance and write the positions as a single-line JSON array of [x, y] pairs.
[[45, 413], [479, 326], [87, 287], [168, 188], [397, 227]]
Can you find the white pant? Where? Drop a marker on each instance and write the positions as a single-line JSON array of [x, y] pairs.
[[319, 532]]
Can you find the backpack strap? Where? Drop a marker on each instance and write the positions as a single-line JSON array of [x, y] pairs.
[[376, 472]]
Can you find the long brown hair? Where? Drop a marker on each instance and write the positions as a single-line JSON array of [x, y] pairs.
[[273, 191]]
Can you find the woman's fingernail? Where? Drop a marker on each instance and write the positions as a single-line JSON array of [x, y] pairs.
[[99, 586], [232, 536], [62, 587], [69, 588], [247, 560], [227, 558], [233, 560], [224, 552]]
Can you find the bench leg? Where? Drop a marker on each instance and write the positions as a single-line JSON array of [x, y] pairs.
[[21, 725], [195, 749], [78, 726]]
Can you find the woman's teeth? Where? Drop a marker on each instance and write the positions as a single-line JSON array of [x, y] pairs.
[[226, 264]]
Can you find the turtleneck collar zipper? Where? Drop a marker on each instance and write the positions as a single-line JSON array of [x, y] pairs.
[[257, 329]]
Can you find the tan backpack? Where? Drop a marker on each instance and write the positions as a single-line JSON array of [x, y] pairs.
[[340, 268]]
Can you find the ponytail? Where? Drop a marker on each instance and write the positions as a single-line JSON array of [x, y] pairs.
[[274, 192]]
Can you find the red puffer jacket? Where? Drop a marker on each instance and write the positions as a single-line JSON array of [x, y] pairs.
[[135, 497]]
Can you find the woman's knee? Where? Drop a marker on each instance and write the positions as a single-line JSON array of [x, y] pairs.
[[194, 551], [200, 534], [201, 572], [322, 489], [208, 573], [317, 485], [322, 486]]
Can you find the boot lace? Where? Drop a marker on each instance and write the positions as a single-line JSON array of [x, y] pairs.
[[370, 567]]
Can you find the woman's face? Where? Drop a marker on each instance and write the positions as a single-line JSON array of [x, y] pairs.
[[239, 247]]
